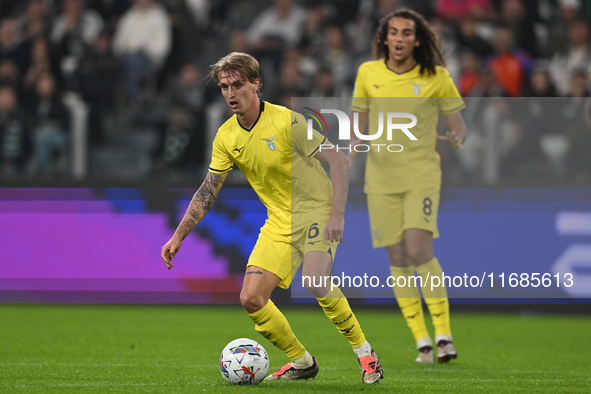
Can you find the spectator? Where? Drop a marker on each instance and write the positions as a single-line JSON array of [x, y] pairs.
[[537, 117], [469, 76], [558, 29], [488, 86], [276, 29], [51, 126], [359, 33], [182, 138], [278, 25], [509, 66], [238, 42], [313, 31], [579, 84], [186, 91], [449, 45], [468, 40], [98, 66], [325, 86], [15, 144], [76, 25], [143, 41], [186, 39], [337, 58], [576, 56], [10, 77], [200, 12], [455, 10], [540, 84], [11, 47], [41, 63], [575, 123], [290, 85], [74, 30], [521, 24], [34, 22]]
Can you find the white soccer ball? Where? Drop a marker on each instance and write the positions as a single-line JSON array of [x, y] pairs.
[[243, 362]]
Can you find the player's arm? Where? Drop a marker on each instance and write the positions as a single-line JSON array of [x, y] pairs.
[[457, 130], [362, 117], [198, 208], [339, 173]]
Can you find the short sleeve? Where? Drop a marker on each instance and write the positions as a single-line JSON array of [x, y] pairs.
[[300, 139], [360, 102], [221, 161], [449, 101]]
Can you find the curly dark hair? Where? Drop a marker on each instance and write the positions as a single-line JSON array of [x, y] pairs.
[[428, 54]]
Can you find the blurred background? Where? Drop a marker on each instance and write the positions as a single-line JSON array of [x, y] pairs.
[[106, 123], [114, 90]]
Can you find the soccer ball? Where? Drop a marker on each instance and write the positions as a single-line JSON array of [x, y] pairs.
[[244, 361]]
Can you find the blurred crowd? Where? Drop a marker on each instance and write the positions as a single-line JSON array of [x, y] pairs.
[[151, 56]]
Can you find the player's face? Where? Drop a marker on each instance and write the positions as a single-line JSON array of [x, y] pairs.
[[238, 92], [401, 39]]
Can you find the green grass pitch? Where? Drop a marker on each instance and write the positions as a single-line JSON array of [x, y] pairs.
[[175, 349]]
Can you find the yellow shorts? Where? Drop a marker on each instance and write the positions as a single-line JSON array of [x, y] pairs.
[[282, 257], [391, 214]]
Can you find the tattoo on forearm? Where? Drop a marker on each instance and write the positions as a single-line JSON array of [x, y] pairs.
[[186, 226], [254, 272], [208, 191], [202, 202]]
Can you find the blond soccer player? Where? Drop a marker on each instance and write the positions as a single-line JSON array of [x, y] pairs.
[[305, 220]]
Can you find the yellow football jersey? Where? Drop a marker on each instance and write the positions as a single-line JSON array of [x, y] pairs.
[[379, 90], [278, 160]]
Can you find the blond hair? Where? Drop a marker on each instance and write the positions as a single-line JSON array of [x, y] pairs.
[[239, 63]]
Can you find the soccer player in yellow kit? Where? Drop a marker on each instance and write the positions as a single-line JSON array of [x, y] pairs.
[[270, 146], [403, 188]]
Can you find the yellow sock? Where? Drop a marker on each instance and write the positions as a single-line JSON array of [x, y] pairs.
[[409, 301], [337, 309], [436, 299], [270, 323]]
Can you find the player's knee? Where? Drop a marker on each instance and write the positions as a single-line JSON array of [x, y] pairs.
[[319, 291], [418, 254], [252, 302], [397, 257]]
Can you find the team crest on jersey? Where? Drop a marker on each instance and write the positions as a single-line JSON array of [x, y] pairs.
[[270, 142], [376, 233], [417, 87]]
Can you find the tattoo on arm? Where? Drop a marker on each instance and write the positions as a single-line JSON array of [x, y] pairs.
[[202, 202], [257, 272]]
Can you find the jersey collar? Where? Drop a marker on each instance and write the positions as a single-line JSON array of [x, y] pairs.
[[256, 121], [402, 73]]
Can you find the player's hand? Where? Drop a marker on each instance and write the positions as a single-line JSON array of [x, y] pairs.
[[335, 228], [169, 251], [452, 138]]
